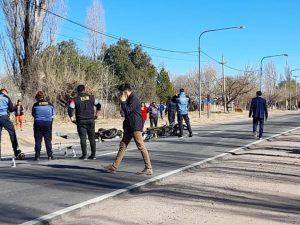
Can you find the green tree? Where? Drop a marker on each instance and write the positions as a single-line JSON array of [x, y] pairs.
[[164, 86], [134, 66]]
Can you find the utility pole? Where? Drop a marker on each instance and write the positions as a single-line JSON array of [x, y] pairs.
[[224, 87]]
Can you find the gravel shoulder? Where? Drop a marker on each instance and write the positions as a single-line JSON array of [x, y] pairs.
[[259, 185]]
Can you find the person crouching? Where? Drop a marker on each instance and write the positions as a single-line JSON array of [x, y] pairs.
[[43, 113]]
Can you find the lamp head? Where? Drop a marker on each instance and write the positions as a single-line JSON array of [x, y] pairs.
[[242, 27], [286, 55]]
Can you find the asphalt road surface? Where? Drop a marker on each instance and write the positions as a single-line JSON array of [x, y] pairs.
[[34, 189]]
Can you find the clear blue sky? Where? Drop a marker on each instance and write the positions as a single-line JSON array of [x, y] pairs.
[[272, 27]]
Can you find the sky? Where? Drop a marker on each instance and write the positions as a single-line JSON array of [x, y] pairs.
[[272, 27]]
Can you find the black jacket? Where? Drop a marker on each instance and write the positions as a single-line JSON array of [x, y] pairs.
[[19, 112], [171, 105], [132, 112], [83, 105]]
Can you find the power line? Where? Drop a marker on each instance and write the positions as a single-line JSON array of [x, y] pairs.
[[115, 37]]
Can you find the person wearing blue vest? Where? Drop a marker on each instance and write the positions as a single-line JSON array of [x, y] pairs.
[[259, 111], [43, 113], [6, 106], [183, 101]]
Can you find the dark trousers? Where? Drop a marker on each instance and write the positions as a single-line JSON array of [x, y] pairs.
[[171, 118], [261, 126], [42, 129], [161, 114], [87, 127], [7, 125], [186, 120], [153, 121]]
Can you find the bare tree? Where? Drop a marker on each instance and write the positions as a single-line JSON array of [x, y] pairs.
[[25, 20], [96, 21], [270, 82], [239, 87], [53, 22]]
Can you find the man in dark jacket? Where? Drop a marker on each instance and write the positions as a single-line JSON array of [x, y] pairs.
[[183, 101], [171, 110], [43, 113], [259, 111], [133, 127], [84, 105]]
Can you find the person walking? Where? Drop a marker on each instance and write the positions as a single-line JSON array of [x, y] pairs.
[[153, 114], [183, 101], [6, 106], [43, 114], [171, 110], [258, 111], [144, 112], [133, 127], [83, 107], [19, 114], [161, 110]]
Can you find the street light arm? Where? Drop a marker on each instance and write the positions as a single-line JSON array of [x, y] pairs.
[[270, 56], [261, 61], [294, 70], [199, 54]]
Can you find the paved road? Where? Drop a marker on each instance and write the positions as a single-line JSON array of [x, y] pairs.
[[34, 189]]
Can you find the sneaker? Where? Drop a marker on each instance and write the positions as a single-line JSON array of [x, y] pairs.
[[255, 135], [51, 158], [191, 135], [110, 168], [92, 157], [36, 158], [147, 172], [83, 157]]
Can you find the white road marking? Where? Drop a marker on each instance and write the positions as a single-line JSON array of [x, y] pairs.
[[143, 183], [216, 131]]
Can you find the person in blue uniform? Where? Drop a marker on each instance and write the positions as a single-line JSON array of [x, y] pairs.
[[6, 106], [43, 113]]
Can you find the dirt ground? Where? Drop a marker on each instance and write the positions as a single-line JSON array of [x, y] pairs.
[[259, 186]]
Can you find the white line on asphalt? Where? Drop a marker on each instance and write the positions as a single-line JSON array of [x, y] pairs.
[[143, 183], [216, 131]]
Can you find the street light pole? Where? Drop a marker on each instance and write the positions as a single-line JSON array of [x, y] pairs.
[[199, 55], [261, 70]]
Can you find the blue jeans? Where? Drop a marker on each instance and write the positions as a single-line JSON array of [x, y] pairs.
[[7, 125], [261, 126]]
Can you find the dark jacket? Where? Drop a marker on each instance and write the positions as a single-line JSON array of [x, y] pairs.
[[19, 112], [171, 106], [132, 112], [83, 105], [153, 111], [43, 111], [258, 108]]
